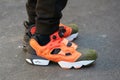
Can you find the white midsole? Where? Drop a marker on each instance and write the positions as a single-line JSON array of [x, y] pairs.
[[72, 37], [78, 64]]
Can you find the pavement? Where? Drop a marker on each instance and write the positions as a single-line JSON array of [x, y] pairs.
[[99, 29]]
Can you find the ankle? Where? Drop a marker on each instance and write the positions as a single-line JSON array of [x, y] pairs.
[[42, 39]]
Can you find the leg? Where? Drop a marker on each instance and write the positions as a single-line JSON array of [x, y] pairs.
[[30, 7], [48, 15]]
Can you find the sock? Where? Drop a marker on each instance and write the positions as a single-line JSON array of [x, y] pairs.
[[42, 39]]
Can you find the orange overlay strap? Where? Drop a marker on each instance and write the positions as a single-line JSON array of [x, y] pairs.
[[66, 53]]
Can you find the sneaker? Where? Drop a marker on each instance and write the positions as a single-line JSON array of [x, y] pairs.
[[61, 51], [70, 32]]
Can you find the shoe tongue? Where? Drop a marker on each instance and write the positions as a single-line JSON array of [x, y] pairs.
[[32, 30]]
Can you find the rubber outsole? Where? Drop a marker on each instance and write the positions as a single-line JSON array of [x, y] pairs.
[[62, 64], [76, 65]]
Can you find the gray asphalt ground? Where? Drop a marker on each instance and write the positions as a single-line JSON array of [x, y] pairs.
[[99, 28]]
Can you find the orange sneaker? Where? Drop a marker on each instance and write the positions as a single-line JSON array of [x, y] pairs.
[[59, 50]]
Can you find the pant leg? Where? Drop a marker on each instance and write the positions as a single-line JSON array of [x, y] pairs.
[[48, 15], [30, 7]]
